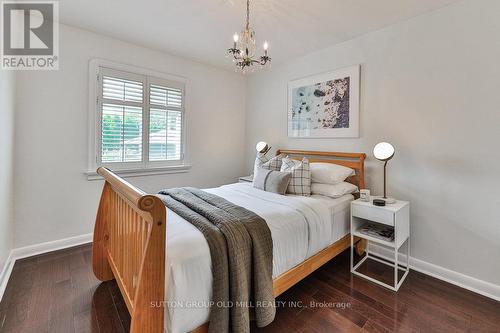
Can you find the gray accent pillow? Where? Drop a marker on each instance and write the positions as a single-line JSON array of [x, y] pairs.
[[271, 181]]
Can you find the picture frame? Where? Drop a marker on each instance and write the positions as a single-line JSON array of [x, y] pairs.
[[325, 105]]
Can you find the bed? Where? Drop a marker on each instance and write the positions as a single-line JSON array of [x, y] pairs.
[[132, 238]]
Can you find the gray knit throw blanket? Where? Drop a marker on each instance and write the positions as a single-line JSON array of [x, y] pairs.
[[241, 249]]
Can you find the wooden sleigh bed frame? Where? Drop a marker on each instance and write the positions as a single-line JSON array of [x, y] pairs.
[[130, 243]]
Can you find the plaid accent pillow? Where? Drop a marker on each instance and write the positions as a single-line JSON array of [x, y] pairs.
[[301, 176], [274, 164], [259, 162]]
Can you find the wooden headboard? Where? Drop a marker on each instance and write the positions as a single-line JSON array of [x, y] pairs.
[[354, 161]]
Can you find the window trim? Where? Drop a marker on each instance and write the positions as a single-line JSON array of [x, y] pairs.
[[129, 169]]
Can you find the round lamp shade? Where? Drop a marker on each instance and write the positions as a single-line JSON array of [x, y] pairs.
[[261, 147], [383, 151]]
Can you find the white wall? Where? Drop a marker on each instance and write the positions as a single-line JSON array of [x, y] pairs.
[[53, 198], [7, 107], [429, 86]]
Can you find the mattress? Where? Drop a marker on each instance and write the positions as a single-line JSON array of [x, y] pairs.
[[300, 227]]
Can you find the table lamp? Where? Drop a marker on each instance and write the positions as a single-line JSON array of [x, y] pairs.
[[384, 151], [262, 147]]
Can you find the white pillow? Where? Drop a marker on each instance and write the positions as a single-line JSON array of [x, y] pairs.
[[333, 191], [329, 173]]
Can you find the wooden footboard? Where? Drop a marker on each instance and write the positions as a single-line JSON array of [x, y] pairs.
[[129, 246]]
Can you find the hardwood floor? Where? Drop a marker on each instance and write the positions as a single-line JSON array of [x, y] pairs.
[[57, 292]]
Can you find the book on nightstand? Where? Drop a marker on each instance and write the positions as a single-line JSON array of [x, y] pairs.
[[379, 231]]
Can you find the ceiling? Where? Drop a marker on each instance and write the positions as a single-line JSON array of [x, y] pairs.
[[202, 29]]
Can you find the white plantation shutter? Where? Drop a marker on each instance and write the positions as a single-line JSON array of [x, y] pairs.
[[165, 96], [121, 133], [141, 120], [122, 90], [166, 111]]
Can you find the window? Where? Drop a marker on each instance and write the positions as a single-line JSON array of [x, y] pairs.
[[138, 120]]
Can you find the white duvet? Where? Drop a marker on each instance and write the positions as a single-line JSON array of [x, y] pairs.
[[300, 227]]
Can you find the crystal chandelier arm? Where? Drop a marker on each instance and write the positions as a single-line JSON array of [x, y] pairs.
[[264, 60]]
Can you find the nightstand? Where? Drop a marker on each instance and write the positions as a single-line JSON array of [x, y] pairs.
[[245, 179], [396, 216]]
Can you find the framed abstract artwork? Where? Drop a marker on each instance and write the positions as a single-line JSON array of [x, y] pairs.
[[325, 105]]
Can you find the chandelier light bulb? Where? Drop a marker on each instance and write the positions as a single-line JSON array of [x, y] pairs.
[[236, 38], [266, 45]]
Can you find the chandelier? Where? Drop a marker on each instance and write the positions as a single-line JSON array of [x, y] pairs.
[[243, 50]]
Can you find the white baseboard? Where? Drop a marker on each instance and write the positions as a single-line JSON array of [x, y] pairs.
[[481, 287], [33, 250], [5, 274]]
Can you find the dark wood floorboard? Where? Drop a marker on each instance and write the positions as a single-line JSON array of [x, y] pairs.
[[57, 292]]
